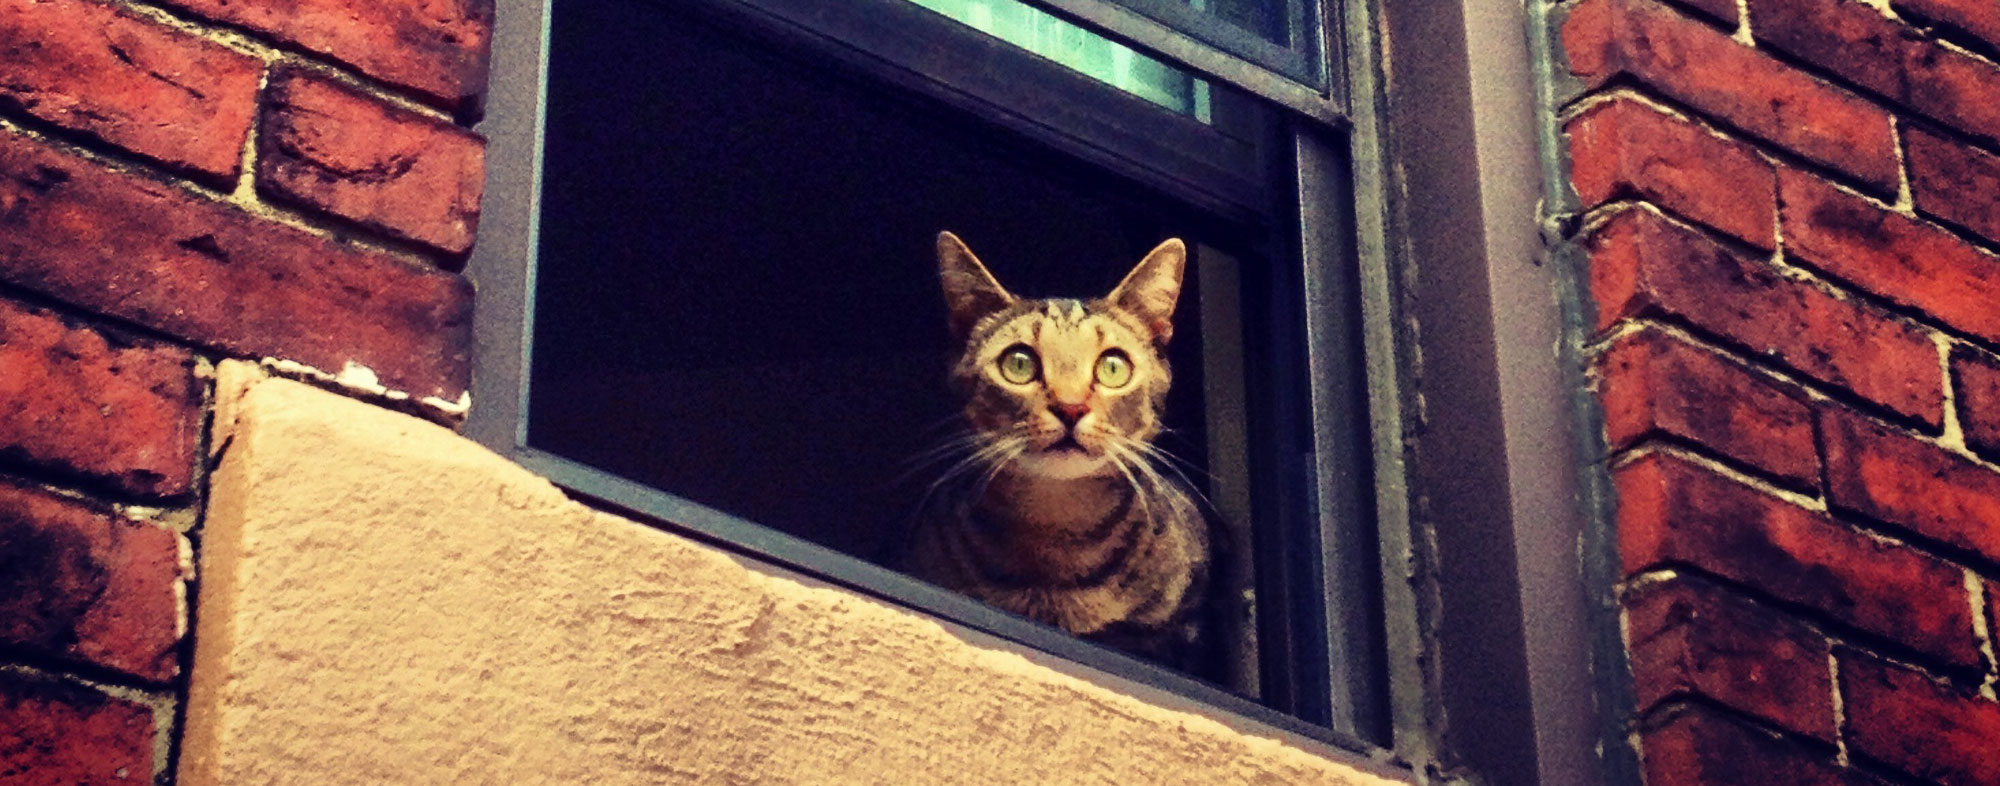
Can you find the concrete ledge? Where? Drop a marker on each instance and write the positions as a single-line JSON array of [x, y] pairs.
[[384, 602]]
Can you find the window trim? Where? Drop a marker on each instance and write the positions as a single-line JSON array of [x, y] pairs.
[[1304, 82], [1379, 240]]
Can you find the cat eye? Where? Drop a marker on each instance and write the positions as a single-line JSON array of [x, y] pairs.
[[1019, 365], [1114, 369]]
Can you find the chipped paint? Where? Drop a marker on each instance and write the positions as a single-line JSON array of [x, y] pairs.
[[362, 381]]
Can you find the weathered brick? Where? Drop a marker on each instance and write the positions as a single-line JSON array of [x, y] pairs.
[[1955, 182], [1975, 377], [1672, 513], [1906, 720], [1641, 263], [85, 585], [438, 48], [1708, 71], [1899, 258], [1850, 39], [58, 732], [1655, 385], [96, 403], [332, 149], [161, 93], [1623, 149], [1980, 18], [124, 245], [1700, 747], [1888, 476], [1690, 638]]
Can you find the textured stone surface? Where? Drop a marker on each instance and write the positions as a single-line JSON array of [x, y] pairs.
[[1905, 719], [1691, 638], [125, 245], [332, 149], [1904, 260], [1849, 38], [1703, 68], [1643, 264], [1700, 747], [1656, 386], [82, 584], [59, 733], [1622, 149], [1894, 478], [161, 93], [1975, 377], [1672, 513], [389, 603], [1955, 182], [97, 404], [436, 47]]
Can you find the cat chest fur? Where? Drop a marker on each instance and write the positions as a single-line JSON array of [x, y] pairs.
[[1081, 555]]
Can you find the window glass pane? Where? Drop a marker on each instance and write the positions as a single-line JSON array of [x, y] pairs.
[[1082, 51], [1271, 19]]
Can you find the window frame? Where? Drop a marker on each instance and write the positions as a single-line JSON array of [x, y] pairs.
[[1345, 161]]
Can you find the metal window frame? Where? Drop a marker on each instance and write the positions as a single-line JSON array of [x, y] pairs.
[[1383, 244]]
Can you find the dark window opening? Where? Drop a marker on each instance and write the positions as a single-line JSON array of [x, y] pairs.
[[735, 297]]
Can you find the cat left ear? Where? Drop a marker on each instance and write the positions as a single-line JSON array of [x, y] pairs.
[[1151, 289], [970, 293]]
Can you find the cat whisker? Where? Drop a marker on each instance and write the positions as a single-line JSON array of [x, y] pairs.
[[1174, 464], [1121, 460]]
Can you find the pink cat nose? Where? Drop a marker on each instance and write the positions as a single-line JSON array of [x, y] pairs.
[[1069, 414]]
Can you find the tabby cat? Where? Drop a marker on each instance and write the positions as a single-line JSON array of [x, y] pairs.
[[1058, 510]]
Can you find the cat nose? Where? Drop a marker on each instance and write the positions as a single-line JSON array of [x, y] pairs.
[[1069, 414]]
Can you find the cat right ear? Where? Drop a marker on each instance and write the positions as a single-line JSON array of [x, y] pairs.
[[970, 293]]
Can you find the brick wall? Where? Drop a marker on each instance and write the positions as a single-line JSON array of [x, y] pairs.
[[1788, 213], [183, 181]]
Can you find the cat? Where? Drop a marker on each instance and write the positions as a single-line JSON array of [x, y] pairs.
[[1057, 510]]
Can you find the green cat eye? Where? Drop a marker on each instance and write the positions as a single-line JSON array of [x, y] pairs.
[[1114, 369], [1018, 365]]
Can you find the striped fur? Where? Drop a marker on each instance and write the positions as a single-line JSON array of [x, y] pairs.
[[1058, 508]]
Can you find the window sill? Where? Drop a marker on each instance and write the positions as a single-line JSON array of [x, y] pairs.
[[384, 599]]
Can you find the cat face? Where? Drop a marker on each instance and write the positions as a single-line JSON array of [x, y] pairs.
[[1058, 387]]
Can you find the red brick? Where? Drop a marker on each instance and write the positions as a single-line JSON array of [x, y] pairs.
[[1700, 747], [1955, 182], [1672, 513], [1708, 71], [1622, 149], [127, 246], [1643, 264], [57, 732], [1899, 258], [81, 584], [335, 150], [1980, 18], [437, 48], [161, 93], [1690, 638], [1894, 478], [1655, 385], [1906, 720], [1975, 377], [96, 403], [1857, 42]]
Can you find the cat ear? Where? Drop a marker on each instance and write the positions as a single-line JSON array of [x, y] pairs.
[[1150, 290], [970, 293]]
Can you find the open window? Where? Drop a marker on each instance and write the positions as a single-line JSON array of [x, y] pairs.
[[732, 322]]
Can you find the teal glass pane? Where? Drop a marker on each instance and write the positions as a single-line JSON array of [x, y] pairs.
[[1081, 51]]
